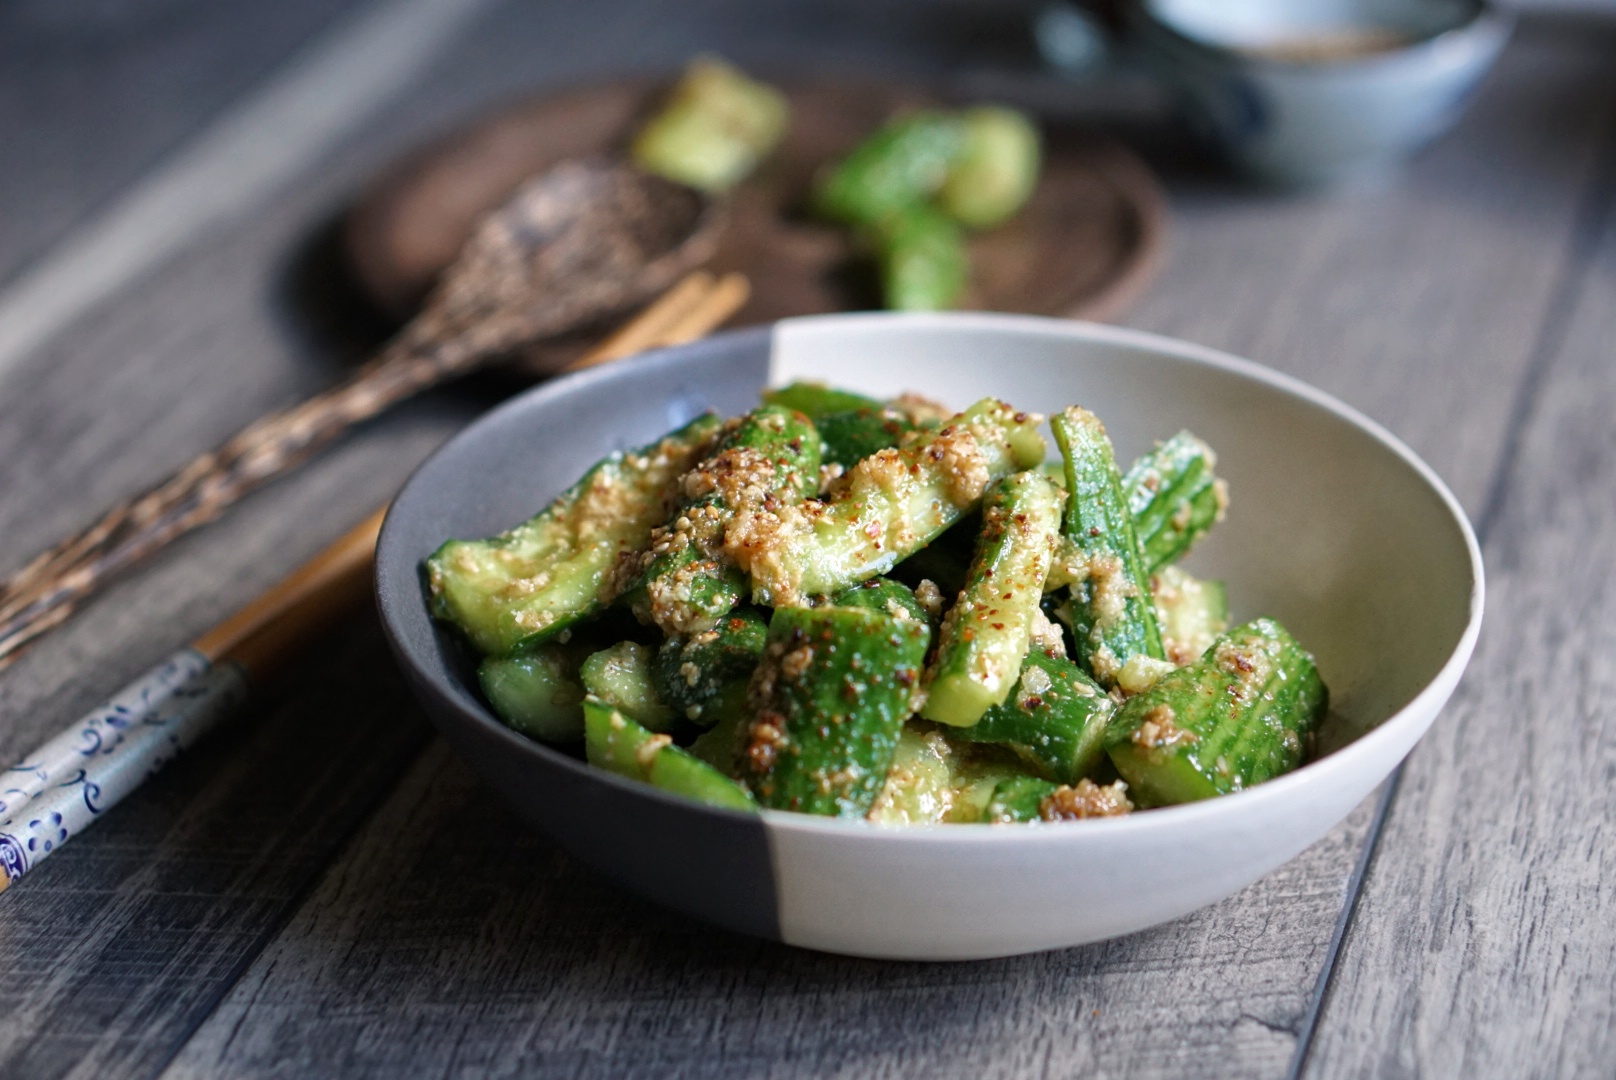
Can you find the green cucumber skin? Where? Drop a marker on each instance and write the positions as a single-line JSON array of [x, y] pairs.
[[891, 505], [1018, 799], [1174, 498], [535, 581], [686, 583], [924, 265], [853, 435], [673, 770], [986, 634], [617, 744], [621, 677], [886, 596], [1059, 731], [830, 698], [691, 672], [898, 167], [1191, 612], [1112, 617], [817, 401], [536, 693], [1240, 715], [715, 127]]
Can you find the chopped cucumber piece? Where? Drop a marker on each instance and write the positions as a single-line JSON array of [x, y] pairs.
[[684, 582], [1174, 498], [1191, 613], [715, 127], [997, 168], [854, 435], [683, 774], [1054, 720], [834, 689], [924, 266], [919, 788], [692, 673], [1111, 614], [892, 504], [536, 693], [532, 583], [621, 677], [898, 167], [1240, 715], [617, 744], [817, 401], [985, 635]]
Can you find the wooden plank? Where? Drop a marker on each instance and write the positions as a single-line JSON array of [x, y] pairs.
[[1486, 932], [451, 940], [507, 958], [117, 945], [91, 98]]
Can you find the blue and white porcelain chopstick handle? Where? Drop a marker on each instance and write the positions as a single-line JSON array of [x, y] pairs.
[[91, 765]]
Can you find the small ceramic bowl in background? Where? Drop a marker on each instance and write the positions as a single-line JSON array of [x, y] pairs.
[[1300, 92], [1335, 528]]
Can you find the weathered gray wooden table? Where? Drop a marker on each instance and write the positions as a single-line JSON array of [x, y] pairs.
[[324, 890]]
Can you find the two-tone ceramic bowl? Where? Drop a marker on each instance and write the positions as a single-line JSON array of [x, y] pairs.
[[1335, 528]]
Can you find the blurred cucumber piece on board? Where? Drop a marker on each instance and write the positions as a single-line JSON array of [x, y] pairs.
[[996, 170], [1240, 715], [537, 693], [924, 265], [714, 129], [899, 167]]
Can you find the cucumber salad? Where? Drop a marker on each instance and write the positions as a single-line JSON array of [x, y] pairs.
[[842, 606]]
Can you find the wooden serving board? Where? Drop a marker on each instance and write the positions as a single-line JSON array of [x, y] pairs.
[[1084, 246]]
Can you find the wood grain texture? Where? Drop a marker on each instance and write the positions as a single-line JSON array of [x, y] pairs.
[[1423, 304], [500, 956], [1419, 303], [121, 942], [93, 96], [1486, 932]]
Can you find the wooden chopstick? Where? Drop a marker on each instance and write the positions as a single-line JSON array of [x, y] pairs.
[[62, 786]]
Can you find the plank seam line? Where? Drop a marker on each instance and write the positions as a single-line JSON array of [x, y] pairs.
[[1588, 227], [1332, 953], [248, 153], [295, 901], [1587, 231]]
